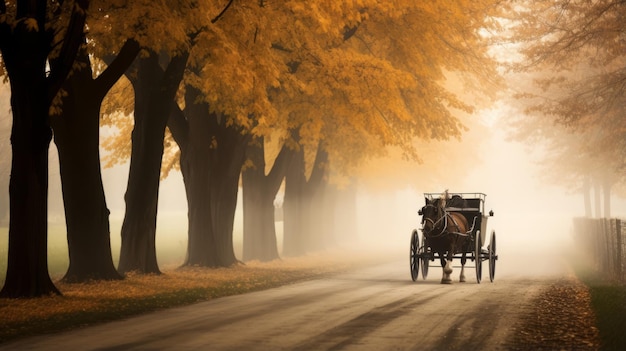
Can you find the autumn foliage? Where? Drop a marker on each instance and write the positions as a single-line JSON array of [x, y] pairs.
[[336, 83]]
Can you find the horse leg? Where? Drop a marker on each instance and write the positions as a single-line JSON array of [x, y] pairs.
[[447, 269], [445, 278], [463, 260]]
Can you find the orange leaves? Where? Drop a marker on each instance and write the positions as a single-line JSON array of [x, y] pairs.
[[360, 75], [384, 84]]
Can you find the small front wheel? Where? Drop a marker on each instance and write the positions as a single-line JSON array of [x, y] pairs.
[[414, 259]]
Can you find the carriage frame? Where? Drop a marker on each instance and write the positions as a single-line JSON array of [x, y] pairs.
[[474, 212]]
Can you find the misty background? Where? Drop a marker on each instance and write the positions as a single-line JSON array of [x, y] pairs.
[[533, 219]]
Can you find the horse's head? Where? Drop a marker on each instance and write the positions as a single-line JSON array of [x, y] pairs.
[[431, 213]]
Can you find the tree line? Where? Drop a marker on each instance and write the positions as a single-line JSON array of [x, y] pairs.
[[332, 83], [568, 89]]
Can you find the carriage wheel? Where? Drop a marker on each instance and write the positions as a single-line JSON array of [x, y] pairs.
[[414, 258], [425, 258], [478, 258], [493, 257]]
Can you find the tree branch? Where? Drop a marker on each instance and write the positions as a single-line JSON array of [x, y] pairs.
[[117, 67], [71, 44], [279, 169], [349, 32], [177, 123], [319, 166], [222, 13]]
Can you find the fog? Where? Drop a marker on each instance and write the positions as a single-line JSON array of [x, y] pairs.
[[533, 220]]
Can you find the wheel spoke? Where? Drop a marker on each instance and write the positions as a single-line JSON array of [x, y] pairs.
[[425, 258], [493, 257], [478, 257], [414, 257]]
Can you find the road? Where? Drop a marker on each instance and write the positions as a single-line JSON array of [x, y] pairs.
[[375, 308]]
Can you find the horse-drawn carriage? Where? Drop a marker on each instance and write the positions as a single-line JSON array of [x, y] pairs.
[[454, 225]]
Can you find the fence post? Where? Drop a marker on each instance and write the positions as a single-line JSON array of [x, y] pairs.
[[605, 247], [620, 253]]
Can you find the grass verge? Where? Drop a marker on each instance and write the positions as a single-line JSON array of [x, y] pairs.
[[608, 301], [96, 302]]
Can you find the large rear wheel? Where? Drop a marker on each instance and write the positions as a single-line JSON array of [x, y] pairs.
[[414, 259], [478, 258], [493, 257]]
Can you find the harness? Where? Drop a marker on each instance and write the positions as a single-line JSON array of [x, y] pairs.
[[444, 218]]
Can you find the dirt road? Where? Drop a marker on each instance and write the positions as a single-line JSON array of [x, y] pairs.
[[377, 308]]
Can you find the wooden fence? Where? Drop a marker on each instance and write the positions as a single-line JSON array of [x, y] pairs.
[[604, 241]]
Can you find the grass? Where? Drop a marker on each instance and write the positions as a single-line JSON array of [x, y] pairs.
[[608, 301], [171, 244]]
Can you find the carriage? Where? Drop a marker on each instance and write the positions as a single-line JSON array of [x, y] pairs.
[[454, 226]]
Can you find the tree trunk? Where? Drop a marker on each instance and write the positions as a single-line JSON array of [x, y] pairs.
[[259, 192], [328, 218], [321, 204], [24, 53], [212, 183], [224, 186], [25, 61], [587, 196], [195, 171], [345, 223], [211, 161], [597, 192], [27, 266], [303, 205], [295, 207], [76, 134], [154, 97], [606, 188]]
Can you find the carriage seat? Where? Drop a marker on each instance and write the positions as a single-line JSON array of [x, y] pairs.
[[469, 208], [458, 204]]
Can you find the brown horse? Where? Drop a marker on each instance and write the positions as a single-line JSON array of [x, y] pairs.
[[446, 233]]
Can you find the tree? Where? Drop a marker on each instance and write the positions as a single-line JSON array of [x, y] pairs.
[[259, 193], [30, 33], [76, 134], [300, 205], [253, 67], [154, 97], [155, 89], [590, 166], [211, 156], [383, 86], [163, 30], [574, 52], [256, 76], [167, 31]]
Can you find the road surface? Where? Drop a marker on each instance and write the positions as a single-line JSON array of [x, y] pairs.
[[375, 308]]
